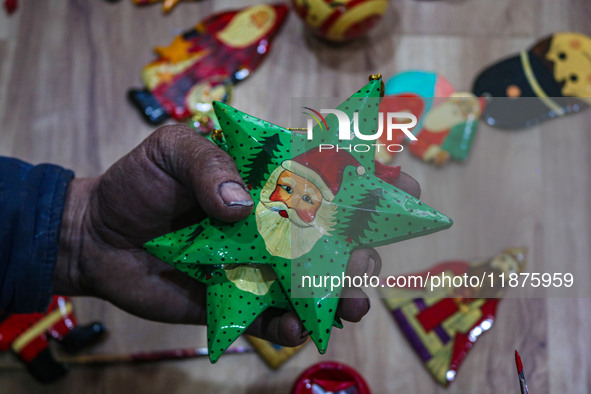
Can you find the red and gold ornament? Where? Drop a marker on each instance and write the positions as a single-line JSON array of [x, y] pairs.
[[340, 20]]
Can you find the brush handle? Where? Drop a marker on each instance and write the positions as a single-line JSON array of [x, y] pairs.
[[523, 384], [144, 357]]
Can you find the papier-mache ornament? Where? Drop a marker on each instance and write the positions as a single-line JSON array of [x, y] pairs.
[[28, 334], [201, 65], [549, 80], [330, 377], [444, 324], [312, 209], [340, 20], [447, 121]]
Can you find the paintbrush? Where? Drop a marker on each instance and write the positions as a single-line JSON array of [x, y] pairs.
[[522, 383]]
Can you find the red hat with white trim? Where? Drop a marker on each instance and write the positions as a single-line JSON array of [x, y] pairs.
[[324, 169]]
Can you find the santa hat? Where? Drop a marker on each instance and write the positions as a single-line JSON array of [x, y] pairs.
[[324, 169]]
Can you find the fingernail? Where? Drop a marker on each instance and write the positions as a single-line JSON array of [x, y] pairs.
[[304, 334], [371, 266], [234, 194]]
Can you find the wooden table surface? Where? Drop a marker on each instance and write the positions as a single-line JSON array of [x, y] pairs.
[[65, 67]]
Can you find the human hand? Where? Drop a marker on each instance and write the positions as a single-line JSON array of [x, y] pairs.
[[173, 179]]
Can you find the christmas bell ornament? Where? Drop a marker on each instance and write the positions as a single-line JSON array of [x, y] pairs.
[[442, 322], [341, 20], [313, 207], [550, 80], [201, 65]]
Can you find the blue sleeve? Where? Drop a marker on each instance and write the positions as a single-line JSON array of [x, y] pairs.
[[32, 200]]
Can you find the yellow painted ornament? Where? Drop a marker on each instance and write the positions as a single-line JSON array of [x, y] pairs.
[[340, 20]]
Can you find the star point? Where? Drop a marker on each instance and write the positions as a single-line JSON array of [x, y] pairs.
[[177, 51]]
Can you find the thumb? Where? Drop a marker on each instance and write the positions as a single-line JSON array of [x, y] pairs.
[[203, 168]]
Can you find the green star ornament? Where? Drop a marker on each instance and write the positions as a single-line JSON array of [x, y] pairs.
[[313, 207]]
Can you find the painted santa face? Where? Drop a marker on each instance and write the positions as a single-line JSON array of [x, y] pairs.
[[291, 215], [298, 194], [450, 113], [443, 117], [571, 55]]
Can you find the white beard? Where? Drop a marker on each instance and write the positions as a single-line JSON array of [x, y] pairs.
[[290, 237]]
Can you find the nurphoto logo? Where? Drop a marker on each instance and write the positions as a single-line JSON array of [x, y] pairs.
[[395, 122]]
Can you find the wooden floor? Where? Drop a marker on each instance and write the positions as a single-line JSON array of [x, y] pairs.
[[65, 67]]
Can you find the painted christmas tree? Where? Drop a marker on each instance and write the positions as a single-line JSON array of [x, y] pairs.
[[358, 224], [258, 169]]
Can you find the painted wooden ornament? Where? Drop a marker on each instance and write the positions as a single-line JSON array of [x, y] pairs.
[[330, 377], [442, 326], [28, 334], [447, 121], [312, 209], [340, 20], [200, 65], [549, 80]]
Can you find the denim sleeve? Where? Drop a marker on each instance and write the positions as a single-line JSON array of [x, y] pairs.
[[32, 200]]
